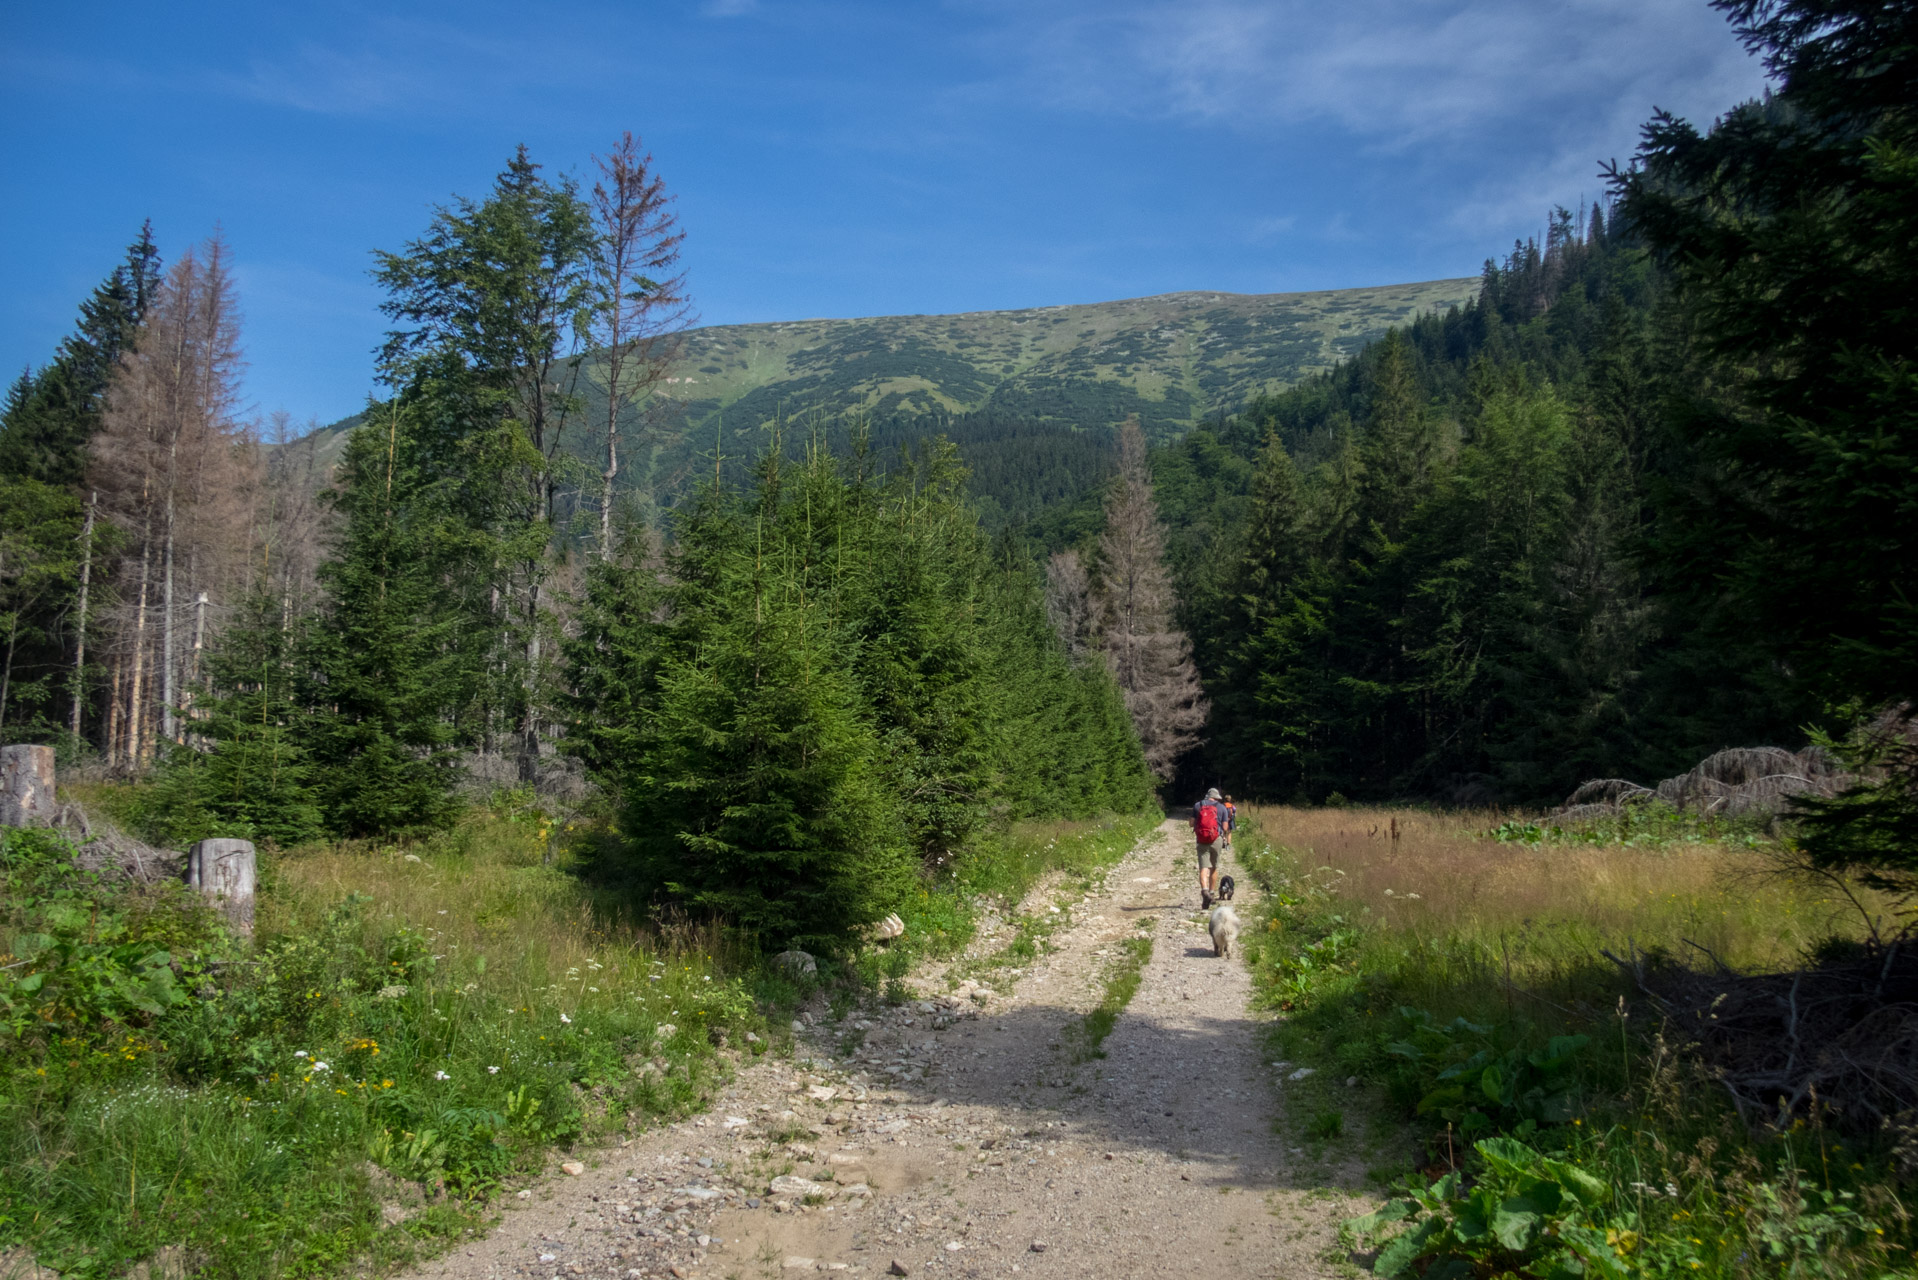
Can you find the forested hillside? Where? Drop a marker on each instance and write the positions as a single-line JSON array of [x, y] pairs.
[[1649, 495], [1048, 376]]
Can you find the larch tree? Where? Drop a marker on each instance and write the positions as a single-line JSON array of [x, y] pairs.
[[643, 305], [1151, 657]]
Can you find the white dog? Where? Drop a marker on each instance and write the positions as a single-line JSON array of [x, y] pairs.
[[1224, 925]]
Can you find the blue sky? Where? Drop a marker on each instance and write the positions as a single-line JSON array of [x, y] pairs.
[[830, 159]]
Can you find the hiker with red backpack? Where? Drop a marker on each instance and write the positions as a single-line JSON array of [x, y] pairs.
[[1212, 825]]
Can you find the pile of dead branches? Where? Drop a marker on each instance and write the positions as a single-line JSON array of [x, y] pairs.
[[102, 847], [1730, 783], [1842, 1033]]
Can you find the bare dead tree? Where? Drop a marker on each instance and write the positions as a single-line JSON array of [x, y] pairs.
[[1069, 603], [80, 620], [643, 304], [176, 470], [291, 519], [1150, 656]]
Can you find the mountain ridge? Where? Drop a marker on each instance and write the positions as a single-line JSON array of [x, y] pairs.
[[1171, 359]]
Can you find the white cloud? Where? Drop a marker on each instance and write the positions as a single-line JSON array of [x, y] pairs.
[[1520, 100], [1392, 69], [1272, 227]]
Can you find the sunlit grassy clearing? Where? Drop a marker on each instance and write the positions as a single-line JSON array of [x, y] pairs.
[[1536, 910], [1444, 996]]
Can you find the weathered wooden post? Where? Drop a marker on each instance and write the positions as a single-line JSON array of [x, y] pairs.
[[26, 787], [226, 871]]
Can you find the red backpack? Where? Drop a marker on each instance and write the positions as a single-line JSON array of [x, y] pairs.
[[1206, 824]]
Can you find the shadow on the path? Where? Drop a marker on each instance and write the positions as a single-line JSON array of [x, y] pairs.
[[1197, 1090]]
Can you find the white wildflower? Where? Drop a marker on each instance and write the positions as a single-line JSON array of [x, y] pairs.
[[441, 1075], [320, 1066], [492, 1071], [301, 1053], [564, 1018]]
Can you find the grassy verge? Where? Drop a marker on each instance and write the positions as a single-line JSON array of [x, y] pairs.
[[1122, 978], [409, 1029], [412, 1027], [1543, 1123]]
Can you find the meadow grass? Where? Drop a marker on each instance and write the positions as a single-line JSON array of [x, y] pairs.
[[412, 1027], [1459, 973], [424, 1022]]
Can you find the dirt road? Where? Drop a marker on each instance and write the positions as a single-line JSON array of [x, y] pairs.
[[973, 1134]]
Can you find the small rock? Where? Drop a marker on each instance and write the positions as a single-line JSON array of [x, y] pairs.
[[1038, 1246], [798, 1026], [897, 1268], [549, 1257], [1351, 1082], [796, 962], [524, 1195], [665, 1031], [823, 1092], [797, 1263], [737, 1122], [787, 1185], [573, 1168], [1302, 1073], [857, 1190], [954, 1246], [752, 1202]]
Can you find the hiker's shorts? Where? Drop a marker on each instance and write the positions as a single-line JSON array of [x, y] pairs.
[[1210, 851]]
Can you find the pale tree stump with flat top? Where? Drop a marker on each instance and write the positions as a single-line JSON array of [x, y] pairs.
[[226, 871]]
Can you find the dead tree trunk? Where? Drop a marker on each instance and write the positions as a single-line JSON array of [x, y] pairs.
[[80, 622], [26, 787]]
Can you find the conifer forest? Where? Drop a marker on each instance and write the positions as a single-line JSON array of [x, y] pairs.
[[800, 695]]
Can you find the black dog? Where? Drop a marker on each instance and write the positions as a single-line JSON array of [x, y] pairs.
[[1225, 888]]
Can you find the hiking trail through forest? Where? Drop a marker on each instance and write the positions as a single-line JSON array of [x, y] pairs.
[[975, 1136]]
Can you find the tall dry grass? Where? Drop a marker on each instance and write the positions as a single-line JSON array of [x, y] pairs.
[[1550, 903]]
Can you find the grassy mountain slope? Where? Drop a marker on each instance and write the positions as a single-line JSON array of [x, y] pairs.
[[1171, 359]]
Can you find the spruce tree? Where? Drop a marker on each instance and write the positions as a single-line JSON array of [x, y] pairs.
[[254, 779], [396, 656]]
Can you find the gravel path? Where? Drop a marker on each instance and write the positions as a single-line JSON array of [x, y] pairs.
[[969, 1133]]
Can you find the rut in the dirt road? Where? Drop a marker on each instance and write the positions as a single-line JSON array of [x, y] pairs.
[[975, 1136]]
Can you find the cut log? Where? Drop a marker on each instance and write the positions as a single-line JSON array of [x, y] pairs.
[[26, 787], [226, 871]]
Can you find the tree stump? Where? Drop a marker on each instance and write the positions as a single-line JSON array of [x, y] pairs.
[[26, 787], [226, 871]]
